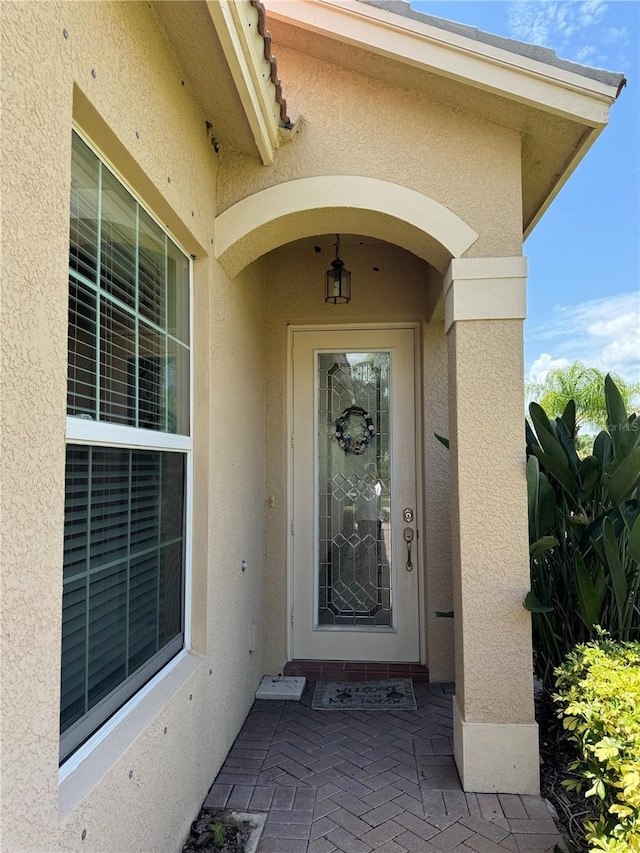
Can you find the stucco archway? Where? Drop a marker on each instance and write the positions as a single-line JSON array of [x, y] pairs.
[[340, 203]]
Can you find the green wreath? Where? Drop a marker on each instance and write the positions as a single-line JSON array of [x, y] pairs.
[[354, 444]]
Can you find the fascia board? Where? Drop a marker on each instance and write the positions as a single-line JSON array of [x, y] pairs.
[[492, 69], [243, 49]]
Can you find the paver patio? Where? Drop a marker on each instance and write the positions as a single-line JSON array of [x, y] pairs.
[[356, 781]]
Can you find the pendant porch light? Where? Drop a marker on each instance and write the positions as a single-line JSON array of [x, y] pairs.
[[337, 279]]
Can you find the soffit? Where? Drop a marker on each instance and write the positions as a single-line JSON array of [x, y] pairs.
[[554, 140], [242, 103], [195, 43]]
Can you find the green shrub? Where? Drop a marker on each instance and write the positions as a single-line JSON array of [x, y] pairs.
[[599, 697], [584, 531]]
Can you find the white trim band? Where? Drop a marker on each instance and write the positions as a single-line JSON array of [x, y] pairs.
[[88, 431], [339, 204], [496, 758], [485, 289]]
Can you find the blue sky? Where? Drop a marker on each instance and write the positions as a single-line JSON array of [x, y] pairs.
[[584, 255]]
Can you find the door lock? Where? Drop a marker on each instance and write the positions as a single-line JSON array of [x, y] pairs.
[[407, 514], [408, 538]]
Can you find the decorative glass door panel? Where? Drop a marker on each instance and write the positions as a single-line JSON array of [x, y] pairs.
[[354, 490], [355, 592]]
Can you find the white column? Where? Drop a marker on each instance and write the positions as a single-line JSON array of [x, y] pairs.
[[495, 734]]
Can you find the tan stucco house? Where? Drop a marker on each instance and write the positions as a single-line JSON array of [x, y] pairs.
[[208, 470]]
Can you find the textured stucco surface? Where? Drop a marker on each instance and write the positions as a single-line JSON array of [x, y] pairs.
[[489, 518], [354, 125], [549, 138], [437, 507], [145, 120], [118, 77], [404, 289]]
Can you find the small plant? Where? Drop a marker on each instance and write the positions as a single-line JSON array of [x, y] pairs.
[[599, 696], [219, 833]]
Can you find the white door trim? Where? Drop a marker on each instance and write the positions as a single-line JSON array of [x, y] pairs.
[[420, 545]]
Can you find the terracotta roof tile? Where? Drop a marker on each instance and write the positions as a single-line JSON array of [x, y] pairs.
[[268, 55]]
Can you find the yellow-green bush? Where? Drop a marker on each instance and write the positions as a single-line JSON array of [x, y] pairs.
[[599, 697]]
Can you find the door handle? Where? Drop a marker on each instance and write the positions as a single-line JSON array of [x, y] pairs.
[[408, 538]]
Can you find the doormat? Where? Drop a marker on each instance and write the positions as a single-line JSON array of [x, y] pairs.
[[391, 694]]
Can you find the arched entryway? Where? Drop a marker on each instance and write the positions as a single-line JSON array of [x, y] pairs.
[[340, 203], [472, 335]]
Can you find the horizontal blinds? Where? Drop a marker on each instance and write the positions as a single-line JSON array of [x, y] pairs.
[[85, 180], [82, 351], [118, 239], [129, 311], [129, 364], [117, 365], [123, 583], [152, 258]]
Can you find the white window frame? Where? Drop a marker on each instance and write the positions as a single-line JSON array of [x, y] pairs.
[[80, 431]]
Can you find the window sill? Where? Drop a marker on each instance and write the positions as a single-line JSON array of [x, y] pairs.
[[84, 769]]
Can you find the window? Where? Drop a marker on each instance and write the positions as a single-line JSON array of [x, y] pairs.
[[128, 448]]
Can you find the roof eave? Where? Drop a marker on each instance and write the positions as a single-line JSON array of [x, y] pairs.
[[588, 138], [475, 63], [246, 43], [542, 86]]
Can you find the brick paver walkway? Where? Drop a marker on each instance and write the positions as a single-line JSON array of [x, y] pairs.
[[356, 781]]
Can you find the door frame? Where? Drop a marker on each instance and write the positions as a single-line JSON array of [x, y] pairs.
[[416, 327]]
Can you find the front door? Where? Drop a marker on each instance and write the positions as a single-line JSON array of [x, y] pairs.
[[355, 556]]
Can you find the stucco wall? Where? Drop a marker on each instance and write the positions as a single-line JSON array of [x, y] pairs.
[[355, 125], [108, 65], [437, 508], [145, 120], [493, 638], [402, 289]]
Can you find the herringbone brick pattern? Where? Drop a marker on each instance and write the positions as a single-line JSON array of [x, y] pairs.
[[356, 781]]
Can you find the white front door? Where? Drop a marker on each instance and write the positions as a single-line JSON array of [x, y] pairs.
[[356, 583]]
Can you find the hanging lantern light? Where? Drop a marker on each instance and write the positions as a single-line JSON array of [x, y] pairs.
[[337, 279]]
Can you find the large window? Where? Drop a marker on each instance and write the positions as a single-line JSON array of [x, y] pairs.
[[128, 446]]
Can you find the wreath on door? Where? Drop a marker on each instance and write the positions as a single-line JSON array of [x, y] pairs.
[[354, 429]]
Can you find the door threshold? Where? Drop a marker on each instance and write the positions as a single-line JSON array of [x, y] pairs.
[[336, 670]]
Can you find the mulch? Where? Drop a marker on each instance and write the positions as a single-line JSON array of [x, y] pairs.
[[215, 831], [556, 753]]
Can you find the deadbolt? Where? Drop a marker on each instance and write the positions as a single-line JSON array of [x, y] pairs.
[[407, 514]]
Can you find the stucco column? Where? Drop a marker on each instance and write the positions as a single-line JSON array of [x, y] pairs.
[[495, 734]]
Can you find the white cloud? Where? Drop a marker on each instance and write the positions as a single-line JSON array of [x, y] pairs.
[[574, 28], [542, 365], [590, 12], [588, 54], [604, 333], [613, 35]]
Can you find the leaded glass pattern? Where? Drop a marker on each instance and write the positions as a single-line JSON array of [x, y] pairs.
[[128, 309], [354, 572]]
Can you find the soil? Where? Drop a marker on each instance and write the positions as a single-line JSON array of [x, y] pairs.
[[215, 831], [556, 752]]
